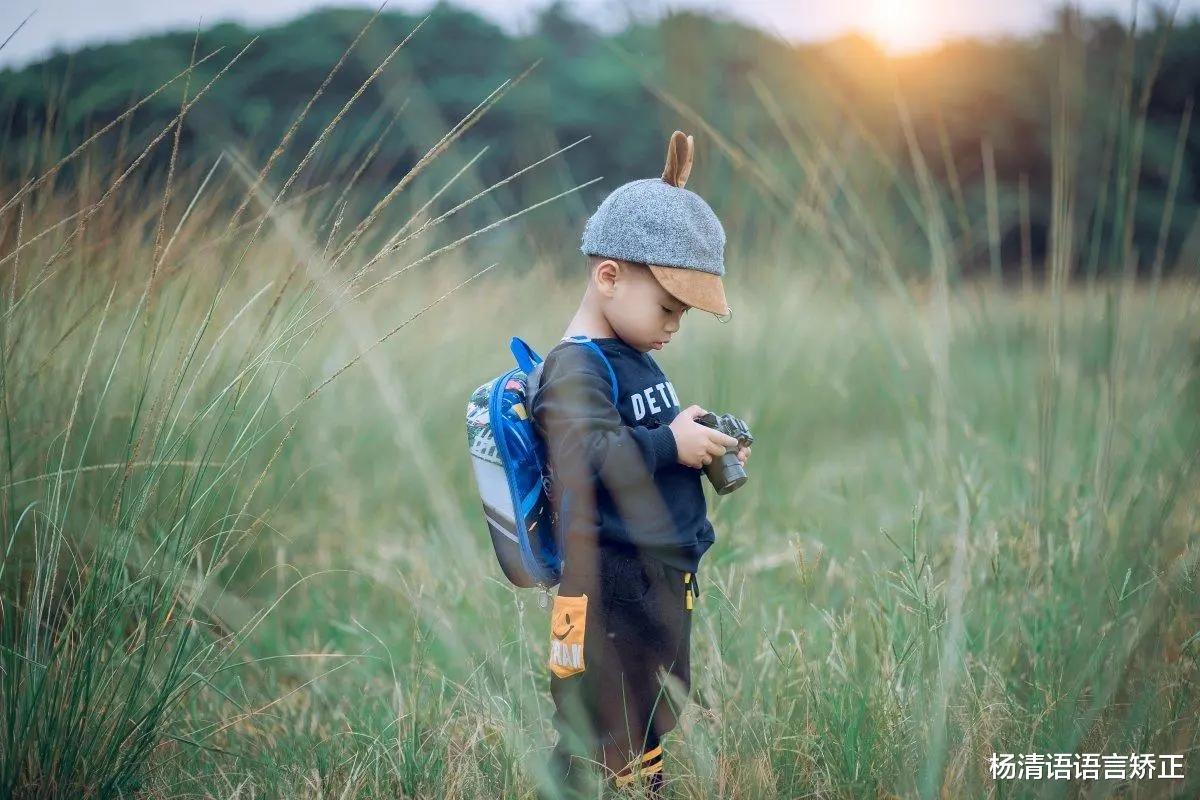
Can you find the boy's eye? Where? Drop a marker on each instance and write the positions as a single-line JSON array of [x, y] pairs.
[[664, 308]]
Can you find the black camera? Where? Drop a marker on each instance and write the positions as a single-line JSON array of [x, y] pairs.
[[726, 472]]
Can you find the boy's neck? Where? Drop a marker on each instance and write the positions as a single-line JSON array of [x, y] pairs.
[[589, 322]]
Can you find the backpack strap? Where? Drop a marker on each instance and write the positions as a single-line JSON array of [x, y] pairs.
[[527, 358], [580, 338]]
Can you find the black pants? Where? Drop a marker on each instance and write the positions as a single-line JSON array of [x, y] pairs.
[[636, 672]]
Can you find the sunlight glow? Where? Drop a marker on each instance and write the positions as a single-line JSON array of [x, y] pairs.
[[902, 26]]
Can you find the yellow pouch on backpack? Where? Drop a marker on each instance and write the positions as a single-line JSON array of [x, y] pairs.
[[568, 619]]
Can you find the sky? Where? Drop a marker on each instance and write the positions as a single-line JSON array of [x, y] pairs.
[[900, 26]]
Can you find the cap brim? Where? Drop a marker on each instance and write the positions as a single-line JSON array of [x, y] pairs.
[[702, 290]]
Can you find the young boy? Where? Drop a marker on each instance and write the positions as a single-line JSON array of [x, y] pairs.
[[634, 523]]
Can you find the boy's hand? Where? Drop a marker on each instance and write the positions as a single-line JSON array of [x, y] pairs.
[[743, 454], [698, 445]]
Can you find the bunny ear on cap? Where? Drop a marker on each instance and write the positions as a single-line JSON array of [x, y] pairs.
[[679, 160]]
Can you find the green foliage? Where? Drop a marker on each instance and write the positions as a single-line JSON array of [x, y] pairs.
[[615, 89]]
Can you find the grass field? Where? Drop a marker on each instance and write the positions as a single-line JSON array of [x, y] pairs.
[[243, 555]]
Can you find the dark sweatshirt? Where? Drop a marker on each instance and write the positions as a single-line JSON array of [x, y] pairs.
[[618, 464]]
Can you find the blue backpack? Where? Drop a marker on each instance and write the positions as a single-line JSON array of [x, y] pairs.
[[512, 471]]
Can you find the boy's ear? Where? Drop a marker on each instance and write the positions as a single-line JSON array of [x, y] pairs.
[[605, 274]]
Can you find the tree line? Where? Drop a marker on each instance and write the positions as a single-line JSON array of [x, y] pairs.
[[784, 130]]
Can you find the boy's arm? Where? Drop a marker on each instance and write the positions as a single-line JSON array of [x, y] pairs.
[[574, 407]]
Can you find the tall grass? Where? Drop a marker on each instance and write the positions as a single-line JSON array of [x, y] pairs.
[[242, 555], [152, 373]]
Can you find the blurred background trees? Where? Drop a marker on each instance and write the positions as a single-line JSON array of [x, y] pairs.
[[780, 126]]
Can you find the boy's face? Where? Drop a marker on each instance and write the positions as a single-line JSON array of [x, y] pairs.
[[639, 310]]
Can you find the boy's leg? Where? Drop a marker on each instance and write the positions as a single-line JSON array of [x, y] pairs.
[[647, 768], [649, 623], [656, 785], [637, 634], [572, 762]]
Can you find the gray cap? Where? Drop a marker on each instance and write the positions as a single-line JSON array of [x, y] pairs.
[[655, 221], [652, 222]]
